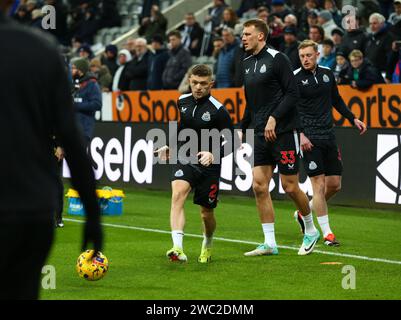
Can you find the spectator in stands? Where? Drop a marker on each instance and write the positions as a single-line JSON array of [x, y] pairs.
[[337, 38], [102, 73], [280, 9], [303, 14], [354, 38], [130, 46], [87, 28], [87, 96], [316, 33], [157, 63], [229, 20], [396, 15], [31, 5], [290, 46], [178, 63], [263, 14], [215, 14], [328, 58], [378, 46], [362, 75], [138, 68], [155, 24], [225, 61], [109, 59], [109, 16], [85, 51], [330, 5], [218, 44], [325, 19], [291, 20], [121, 80], [341, 70], [192, 34]]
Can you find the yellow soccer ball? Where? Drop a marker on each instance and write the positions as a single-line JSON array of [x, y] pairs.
[[92, 269]]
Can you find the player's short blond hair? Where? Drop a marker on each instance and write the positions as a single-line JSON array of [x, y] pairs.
[[308, 43]]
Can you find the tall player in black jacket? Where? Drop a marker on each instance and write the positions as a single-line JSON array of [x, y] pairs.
[[322, 159], [35, 104], [271, 98]]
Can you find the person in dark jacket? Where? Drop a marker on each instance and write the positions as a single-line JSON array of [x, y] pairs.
[[394, 65], [109, 58], [354, 38], [378, 46], [225, 61], [178, 63], [87, 96], [363, 74], [192, 34], [157, 63], [102, 74], [290, 46], [155, 24], [39, 109], [137, 69]]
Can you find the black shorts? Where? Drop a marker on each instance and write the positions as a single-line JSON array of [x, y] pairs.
[[204, 182], [283, 152], [324, 158]]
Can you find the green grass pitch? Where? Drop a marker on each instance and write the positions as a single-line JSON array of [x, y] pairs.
[[140, 270]]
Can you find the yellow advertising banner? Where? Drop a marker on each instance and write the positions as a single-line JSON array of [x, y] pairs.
[[378, 107]]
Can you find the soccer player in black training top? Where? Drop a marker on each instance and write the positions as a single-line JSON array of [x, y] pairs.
[[201, 170], [271, 98], [321, 156], [35, 104]]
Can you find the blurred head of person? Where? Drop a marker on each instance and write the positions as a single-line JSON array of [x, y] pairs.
[[95, 66], [329, 5], [290, 20], [397, 7], [310, 4], [85, 51], [278, 6], [130, 45], [141, 46], [328, 46], [341, 58], [229, 15], [376, 22], [290, 35], [228, 36], [312, 17], [79, 67], [324, 16], [308, 54], [157, 42], [111, 51], [263, 14], [337, 36], [200, 81], [124, 56], [174, 39], [218, 3], [189, 19], [356, 58], [316, 33]]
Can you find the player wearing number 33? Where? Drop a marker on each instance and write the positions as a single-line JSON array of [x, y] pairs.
[[271, 98], [321, 156], [198, 169]]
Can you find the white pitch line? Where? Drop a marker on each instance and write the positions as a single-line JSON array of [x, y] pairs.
[[345, 255]]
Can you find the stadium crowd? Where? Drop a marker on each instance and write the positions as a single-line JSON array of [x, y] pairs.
[[362, 50]]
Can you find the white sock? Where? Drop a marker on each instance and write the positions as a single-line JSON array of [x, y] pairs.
[[178, 236], [311, 204], [324, 224], [207, 241], [309, 225], [268, 230]]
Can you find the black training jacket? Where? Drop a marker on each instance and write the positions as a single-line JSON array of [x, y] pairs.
[[270, 90], [318, 94], [35, 105]]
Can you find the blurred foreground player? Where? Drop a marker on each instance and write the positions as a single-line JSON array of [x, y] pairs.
[[33, 108]]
